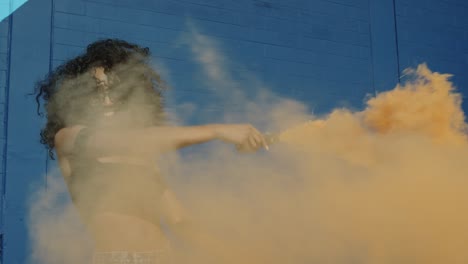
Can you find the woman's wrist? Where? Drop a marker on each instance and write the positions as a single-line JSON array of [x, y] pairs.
[[218, 131]]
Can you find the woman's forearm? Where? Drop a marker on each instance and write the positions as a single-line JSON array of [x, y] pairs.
[[177, 137], [152, 139], [159, 139]]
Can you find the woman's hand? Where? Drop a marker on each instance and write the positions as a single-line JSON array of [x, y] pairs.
[[244, 136]]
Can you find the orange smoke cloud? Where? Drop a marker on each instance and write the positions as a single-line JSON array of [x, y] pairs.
[[383, 185]]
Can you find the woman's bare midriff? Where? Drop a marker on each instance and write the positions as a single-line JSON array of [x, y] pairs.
[[119, 232]]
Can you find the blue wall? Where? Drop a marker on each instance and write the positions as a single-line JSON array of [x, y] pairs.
[[24, 161], [324, 53], [435, 32], [4, 57]]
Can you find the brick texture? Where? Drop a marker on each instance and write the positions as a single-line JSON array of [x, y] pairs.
[[4, 54]]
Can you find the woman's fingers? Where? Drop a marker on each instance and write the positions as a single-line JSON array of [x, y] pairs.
[[250, 139], [260, 140], [256, 139], [263, 141]]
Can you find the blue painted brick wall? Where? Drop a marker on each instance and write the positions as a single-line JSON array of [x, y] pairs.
[[4, 57], [4, 51], [24, 160]]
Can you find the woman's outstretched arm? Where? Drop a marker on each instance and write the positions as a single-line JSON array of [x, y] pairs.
[[156, 139]]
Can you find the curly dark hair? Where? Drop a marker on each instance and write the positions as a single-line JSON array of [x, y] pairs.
[[68, 89]]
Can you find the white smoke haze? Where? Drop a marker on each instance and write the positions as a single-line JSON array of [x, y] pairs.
[[382, 185], [56, 233], [250, 100]]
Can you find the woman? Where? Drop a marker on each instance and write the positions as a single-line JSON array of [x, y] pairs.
[[105, 121]]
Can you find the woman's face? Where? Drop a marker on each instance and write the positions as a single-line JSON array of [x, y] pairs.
[[100, 76], [103, 84]]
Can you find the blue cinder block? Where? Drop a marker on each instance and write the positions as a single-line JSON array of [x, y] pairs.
[[140, 32], [245, 19], [241, 6], [150, 17], [210, 13], [73, 37], [211, 28], [76, 22], [65, 52], [3, 77], [243, 51], [4, 28], [355, 3], [170, 7], [3, 44], [336, 48], [71, 6], [3, 61], [262, 36]]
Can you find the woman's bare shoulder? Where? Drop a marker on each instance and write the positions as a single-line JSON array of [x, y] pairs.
[[65, 139]]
